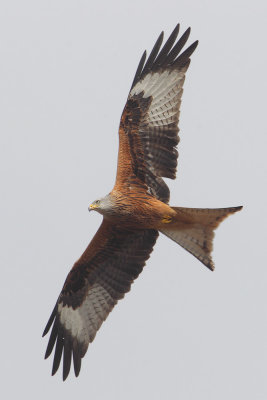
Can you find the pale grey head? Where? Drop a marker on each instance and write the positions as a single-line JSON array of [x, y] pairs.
[[104, 206]]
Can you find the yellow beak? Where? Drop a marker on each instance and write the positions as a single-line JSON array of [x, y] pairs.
[[92, 207]]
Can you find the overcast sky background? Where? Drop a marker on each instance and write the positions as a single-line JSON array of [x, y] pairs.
[[65, 71]]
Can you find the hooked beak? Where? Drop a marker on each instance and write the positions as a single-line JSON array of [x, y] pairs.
[[92, 207]]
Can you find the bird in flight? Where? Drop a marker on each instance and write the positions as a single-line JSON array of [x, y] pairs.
[[136, 209]]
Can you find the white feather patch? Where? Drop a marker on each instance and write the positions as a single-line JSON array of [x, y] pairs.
[[166, 89], [84, 321]]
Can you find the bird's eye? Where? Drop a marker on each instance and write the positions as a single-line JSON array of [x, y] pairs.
[[97, 201]]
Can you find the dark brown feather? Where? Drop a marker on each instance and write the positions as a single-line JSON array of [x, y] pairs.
[[167, 47]]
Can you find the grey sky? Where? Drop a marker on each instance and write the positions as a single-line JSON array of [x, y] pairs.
[[65, 72]]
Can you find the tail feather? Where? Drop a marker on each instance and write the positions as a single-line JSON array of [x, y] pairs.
[[193, 229]]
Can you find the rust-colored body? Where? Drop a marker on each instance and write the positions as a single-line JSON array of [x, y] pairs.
[[138, 210]]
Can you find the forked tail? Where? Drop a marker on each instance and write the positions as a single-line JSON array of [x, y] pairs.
[[193, 229]]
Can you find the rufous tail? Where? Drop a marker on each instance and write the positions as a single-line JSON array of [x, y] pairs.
[[193, 229]]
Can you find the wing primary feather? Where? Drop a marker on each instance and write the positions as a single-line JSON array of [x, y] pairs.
[[177, 48], [52, 339], [58, 352], [167, 47], [66, 357], [139, 69], [50, 321], [77, 361], [183, 59], [153, 54]]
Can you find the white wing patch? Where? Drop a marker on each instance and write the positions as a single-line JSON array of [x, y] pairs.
[[166, 89], [84, 321]]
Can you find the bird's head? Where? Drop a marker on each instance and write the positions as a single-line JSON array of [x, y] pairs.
[[102, 205], [95, 205]]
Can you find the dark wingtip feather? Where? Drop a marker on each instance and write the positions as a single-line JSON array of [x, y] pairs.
[[167, 47], [77, 360], [52, 340], [168, 56], [153, 54], [177, 48], [77, 367], [64, 347], [50, 321], [139, 69], [183, 59], [66, 357], [58, 353]]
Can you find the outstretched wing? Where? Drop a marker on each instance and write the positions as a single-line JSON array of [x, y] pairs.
[[149, 124], [101, 277]]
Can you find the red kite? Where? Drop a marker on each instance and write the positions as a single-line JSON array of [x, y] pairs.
[[136, 210]]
